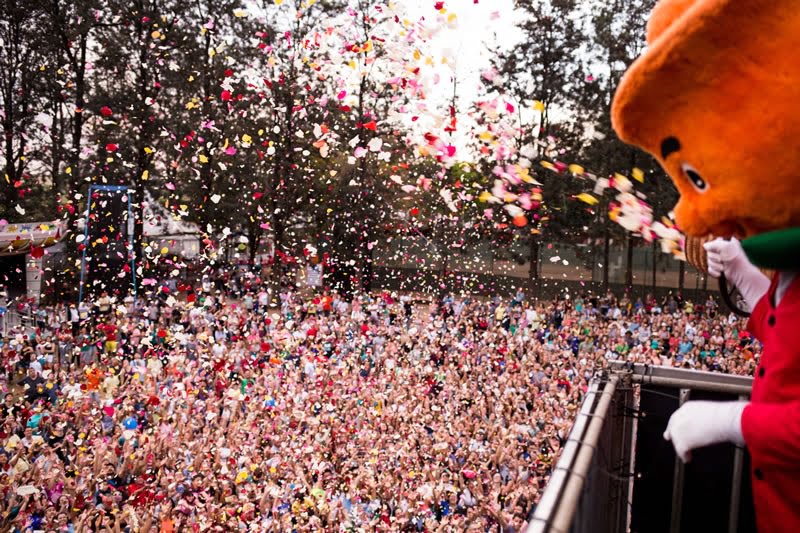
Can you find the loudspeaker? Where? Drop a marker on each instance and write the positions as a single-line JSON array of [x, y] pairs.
[[107, 261]]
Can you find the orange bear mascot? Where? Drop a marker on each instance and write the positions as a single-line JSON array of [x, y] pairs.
[[716, 99]]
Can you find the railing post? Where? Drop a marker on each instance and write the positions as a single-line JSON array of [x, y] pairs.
[[736, 485], [623, 427], [592, 486], [580, 470], [677, 485]]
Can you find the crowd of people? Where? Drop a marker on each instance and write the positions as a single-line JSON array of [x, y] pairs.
[[203, 408]]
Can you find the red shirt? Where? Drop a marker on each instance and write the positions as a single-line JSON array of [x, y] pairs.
[[110, 331], [771, 422], [139, 494]]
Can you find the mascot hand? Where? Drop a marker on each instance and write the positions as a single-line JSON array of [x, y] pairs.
[[724, 257], [698, 424], [727, 257]]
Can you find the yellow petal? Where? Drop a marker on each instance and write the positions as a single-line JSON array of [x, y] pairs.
[[623, 184], [587, 198], [576, 169]]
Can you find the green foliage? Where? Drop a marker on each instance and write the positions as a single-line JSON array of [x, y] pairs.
[[217, 118]]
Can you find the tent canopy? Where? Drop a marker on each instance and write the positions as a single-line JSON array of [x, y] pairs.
[[22, 238]]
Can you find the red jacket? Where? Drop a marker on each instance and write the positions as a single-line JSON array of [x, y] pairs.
[[771, 422]]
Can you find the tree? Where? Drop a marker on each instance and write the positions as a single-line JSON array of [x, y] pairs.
[[23, 57], [211, 170], [373, 83], [288, 94], [74, 25], [545, 67], [619, 38]]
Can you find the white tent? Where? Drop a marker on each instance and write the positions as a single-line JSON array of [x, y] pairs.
[[22, 238], [30, 239], [168, 230]]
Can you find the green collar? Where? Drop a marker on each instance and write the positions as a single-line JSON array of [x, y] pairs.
[[775, 250]]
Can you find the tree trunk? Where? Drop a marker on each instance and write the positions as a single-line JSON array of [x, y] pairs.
[[77, 124], [443, 253], [56, 150], [207, 174], [606, 257], [10, 194], [277, 262], [629, 264], [368, 269], [253, 236], [442, 289], [655, 267], [365, 253], [73, 180], [533, 266]]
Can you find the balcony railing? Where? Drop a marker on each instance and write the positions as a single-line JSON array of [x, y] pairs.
[[617, 474]]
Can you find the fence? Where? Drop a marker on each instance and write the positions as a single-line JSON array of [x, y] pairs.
[[616, 473], [419, 280], [12, 317], [652, 270]]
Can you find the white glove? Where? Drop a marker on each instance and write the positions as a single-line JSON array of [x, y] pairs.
[[728, 257], [698, 424]]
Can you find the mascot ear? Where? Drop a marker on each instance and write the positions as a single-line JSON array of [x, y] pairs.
[[664, 14]]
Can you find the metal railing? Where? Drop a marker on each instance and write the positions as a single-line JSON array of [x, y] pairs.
[[12, 317], [617, 474]]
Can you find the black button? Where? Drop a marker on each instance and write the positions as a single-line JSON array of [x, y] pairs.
[[761, 372], [759, 474], [771, 320]]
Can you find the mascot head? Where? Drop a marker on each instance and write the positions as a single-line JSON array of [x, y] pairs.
[[716, 99]]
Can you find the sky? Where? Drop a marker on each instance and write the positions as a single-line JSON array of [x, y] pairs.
[[482, 30]]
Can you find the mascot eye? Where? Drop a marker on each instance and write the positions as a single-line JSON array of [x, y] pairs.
[[699, 183]]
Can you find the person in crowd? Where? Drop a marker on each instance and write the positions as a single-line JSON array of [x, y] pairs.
[[192, 410]]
